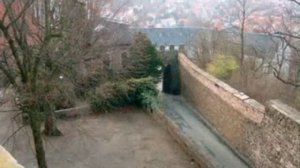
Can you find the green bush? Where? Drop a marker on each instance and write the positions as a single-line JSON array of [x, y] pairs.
[[85, 85], [222, 66], [141, 92], [65, 100], [145, 93], [59, 94], [64, 97]]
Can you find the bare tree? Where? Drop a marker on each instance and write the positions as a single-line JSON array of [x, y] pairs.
[[236, 14], [20, 65], [286, 64], [43, 40]]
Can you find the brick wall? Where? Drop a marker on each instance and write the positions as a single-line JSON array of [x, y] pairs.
[[265, 137]]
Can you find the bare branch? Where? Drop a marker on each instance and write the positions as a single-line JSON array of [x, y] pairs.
[[21, 14], [295, 1], [12, 135], [287, 34], [14, 50], [291, 83]]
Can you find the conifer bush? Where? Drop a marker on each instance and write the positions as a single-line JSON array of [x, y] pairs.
[[145, 61], [141, 92]]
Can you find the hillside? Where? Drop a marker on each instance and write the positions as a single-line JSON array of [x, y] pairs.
[[174, 13]]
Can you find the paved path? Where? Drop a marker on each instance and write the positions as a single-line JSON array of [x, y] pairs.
[[201, 136]]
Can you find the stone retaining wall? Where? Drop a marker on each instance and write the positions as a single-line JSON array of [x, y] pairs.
[[266, 137], [187, 144]]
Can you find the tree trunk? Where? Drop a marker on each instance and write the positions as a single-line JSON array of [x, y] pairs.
[[50, 123], [35, 124], [242, 47], [242, 35], [243, 74]]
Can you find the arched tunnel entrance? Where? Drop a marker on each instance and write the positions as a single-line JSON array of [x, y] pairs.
[[171, 77]]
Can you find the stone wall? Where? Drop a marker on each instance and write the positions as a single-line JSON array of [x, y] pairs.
[[276, 141], [265, 137]]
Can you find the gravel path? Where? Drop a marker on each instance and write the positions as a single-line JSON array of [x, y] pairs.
[[127, 138]]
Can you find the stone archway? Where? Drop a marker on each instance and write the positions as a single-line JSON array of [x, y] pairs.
[[171, 77]]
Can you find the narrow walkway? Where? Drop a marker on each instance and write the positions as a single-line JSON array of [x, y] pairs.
[[201, 136]]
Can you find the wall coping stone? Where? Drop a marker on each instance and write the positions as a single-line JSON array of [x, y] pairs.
[[286, 110]]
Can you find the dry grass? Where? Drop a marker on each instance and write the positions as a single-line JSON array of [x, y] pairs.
[[264, 87]]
